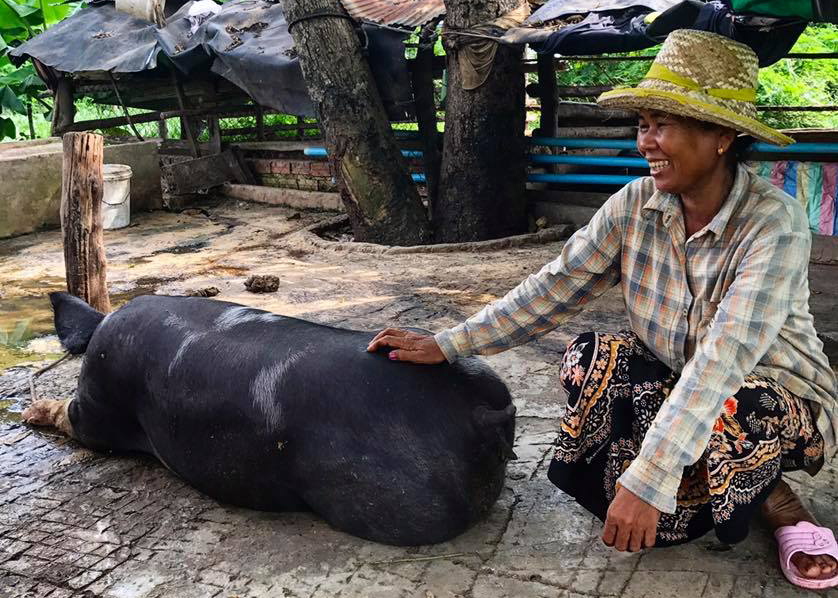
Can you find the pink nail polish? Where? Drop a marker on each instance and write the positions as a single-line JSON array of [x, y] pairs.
[[393, 355]]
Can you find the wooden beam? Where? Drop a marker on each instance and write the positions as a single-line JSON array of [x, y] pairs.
[[547, 95], [425, 106], [582, 91], [107, 123], [577, 111], [185, 123], [260, 124], [292, 198], [64, 110], [206, 172], [81, 219]]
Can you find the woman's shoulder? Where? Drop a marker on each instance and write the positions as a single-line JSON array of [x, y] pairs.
[[634, 195], [771, 206]]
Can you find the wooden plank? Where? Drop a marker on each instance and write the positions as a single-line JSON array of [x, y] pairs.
[[576, 111], [206, 172], [201, 173], [238, 167], [548, 97], [582, 91], [117, 121], [425, 106], [594, 132], [278, 146], [587, 199], [180, 147], [292, 198], [558, 213], [81, 219]]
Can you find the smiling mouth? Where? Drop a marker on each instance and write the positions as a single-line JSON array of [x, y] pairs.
[[656, 166]]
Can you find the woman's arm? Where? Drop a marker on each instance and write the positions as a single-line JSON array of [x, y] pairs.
[[588, 266]]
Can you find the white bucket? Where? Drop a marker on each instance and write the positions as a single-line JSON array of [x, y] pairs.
[[116, 199], [150, 10]]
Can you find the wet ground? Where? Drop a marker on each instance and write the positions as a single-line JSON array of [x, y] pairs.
[[78, 523]]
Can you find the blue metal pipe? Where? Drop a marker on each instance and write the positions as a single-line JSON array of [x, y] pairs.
[[582, 179], [321, 152], [418, 178], [573, 142], [796, 148], [588, 143], [589, 160]]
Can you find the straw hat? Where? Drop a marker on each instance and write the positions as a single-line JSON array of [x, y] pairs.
[[704, 76]]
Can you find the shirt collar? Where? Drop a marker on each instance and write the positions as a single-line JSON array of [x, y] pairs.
[[666, 203]]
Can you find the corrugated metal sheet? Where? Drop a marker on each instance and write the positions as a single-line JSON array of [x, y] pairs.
[[409, 13]]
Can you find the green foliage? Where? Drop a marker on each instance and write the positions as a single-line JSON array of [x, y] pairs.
[[19, 21], [803, 82], [17, 337], [786, 83]]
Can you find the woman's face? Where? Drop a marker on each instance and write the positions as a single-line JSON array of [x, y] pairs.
[[682, 154]]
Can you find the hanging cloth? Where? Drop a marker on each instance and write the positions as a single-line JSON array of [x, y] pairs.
[[476, 58]]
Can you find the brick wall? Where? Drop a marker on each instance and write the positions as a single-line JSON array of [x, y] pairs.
[[304, 174]]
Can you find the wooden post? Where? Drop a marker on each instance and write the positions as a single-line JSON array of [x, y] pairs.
[[63, 108], [260, 123], [186, 131], [81, 219], [162, 129], [425, 104], [214, 126], [547, 90]]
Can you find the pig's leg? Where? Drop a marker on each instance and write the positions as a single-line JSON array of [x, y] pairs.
[[50, 412]]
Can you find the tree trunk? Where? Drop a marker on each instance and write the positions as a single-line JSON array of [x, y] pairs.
[[380, 197], [483, 172], [81, 219]]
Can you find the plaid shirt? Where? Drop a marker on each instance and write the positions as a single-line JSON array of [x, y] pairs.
[[730, 300]]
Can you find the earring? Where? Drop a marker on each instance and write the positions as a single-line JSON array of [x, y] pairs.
[[721, 150]]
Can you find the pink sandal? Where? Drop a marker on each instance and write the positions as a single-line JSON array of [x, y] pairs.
[[811, 539]]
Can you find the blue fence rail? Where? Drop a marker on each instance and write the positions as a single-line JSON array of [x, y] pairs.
[[604, 161]]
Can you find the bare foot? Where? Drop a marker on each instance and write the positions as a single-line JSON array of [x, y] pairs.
[[49, 412], [782, 508]]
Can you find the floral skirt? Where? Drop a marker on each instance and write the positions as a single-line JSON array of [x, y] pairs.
[[615, 388]]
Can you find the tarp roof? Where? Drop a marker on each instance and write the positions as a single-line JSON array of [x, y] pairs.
[[245, 41]]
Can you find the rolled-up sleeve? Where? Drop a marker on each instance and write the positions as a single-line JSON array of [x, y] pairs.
[[587, 267], [747, 321]]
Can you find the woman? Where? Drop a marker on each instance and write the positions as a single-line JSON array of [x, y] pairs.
[[686, 422]]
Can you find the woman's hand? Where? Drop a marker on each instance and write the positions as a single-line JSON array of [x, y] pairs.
[[631, 523], [408, 346]]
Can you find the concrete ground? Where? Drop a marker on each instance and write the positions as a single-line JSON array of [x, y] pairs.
[[78, 523]]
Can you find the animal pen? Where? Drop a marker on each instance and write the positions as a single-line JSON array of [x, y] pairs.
[[242, 122]]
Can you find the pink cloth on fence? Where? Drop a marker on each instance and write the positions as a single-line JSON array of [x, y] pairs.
[[830, 178], [778, 173]]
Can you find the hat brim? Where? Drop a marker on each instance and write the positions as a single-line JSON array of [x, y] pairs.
[[634, 98]]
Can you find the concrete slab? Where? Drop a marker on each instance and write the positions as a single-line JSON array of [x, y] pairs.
[[83, 524], [30, 189]]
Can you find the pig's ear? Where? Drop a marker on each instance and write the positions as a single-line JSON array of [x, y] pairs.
[[75, 321]]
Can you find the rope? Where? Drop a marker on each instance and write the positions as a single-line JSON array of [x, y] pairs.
[[33, 395], [317, 14]]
